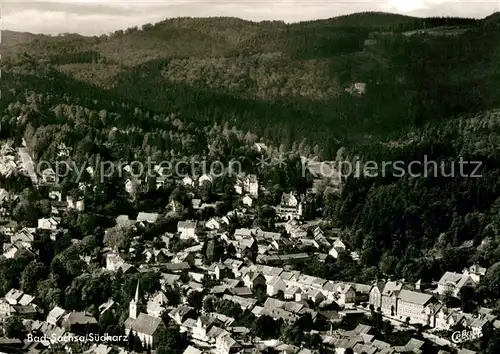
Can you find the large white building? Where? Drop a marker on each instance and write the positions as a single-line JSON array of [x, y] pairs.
[[417, 307], [451, 283]]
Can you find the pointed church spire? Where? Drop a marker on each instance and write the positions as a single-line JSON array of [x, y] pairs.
[[137, 292], [132, 308]]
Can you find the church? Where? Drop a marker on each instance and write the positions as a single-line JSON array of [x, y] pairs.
[[142, 325]]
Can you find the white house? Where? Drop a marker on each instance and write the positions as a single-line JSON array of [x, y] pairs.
[[188, 181], [246, 200], [48, 224], [476, 272], [187, 229], [147, 217], [226, 345], [55, 195], [212, 224], [275, 285], [13, 296], [55, 316], [291, 206], [451, 283], [247, 184], [417, 307], [338, 248], [78, 204], [205, 178], [346, 294], [260, 147], [113, 262]]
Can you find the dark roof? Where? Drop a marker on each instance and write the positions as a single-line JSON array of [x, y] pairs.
[[146, 324]]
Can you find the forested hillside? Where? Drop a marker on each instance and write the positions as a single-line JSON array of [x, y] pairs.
[[287, 82]]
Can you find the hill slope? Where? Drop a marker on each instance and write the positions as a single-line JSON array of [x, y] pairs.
[[287, 82]]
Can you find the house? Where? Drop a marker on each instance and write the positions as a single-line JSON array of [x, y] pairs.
[[290, 206], [205, 178], [346, 294], [141, 325], [107, 306], [315, 296], [357, 89], [55, 195], [451, 283], [201, 328], [192, 350], [18, 250], [79, 205], [187, 229], [8, 228], [13, 296], [79, 322], [25, 236], [49, 176], [188, 181], [180, 313], [448, 318], [384, 296], [247, 184], [416, 307], [260, 147], [157, 256], [48, 224], [180, 267], [196, 203], [253, 280], [156, 305], [245, 303], [275, 285], [55, 316], [174, 206], [147, 217], [113, 261], [226, 345], [240, 291], [219, 271], [212, 224], [63, 150], [246, 200], [244, 233], [476, 272], [293, 293]]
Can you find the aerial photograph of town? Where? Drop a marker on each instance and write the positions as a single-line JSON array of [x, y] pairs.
[[250, 176]]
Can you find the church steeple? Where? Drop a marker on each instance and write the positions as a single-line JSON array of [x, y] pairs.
[[132, 308]]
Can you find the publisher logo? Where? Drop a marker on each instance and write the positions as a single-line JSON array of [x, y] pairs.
[[466, 336]]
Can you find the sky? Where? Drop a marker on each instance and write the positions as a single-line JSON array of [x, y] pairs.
[[92, 17]]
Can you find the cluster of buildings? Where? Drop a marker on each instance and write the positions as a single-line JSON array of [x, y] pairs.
[[263, 262]]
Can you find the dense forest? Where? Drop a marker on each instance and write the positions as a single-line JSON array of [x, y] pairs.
[[285, 82]]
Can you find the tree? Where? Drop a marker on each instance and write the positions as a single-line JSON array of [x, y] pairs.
[[49, 293], [168, 340], [31, 276], [195, 299], [265, 327], [492, 279], [14, 327]]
